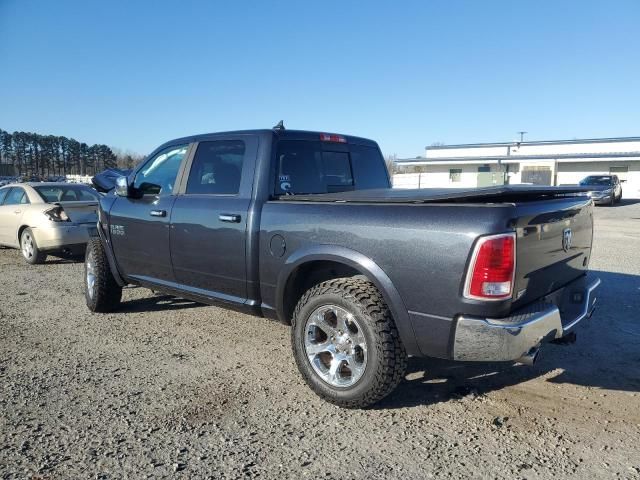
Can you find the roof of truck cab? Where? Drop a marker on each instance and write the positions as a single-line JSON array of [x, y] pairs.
[[281, 134]]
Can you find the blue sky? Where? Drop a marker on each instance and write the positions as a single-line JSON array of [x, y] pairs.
[[134, 74]]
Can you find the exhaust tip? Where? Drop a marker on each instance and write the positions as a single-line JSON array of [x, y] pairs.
[[530, 358]]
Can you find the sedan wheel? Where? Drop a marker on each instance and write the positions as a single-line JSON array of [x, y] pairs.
[[27, 245], [29, 248]]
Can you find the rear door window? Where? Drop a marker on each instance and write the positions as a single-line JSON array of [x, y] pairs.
[[217, 168], [307, 167], [16, 196]]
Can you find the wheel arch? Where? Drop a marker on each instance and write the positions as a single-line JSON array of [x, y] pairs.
[[20, 230], [310, 266]]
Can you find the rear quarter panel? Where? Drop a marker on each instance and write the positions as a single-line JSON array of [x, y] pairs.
[[423, 249]]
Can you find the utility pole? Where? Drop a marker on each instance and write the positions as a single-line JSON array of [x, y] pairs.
[[522, 136]]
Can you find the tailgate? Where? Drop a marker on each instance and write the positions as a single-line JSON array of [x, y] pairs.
[[553, 245], [81, 212]]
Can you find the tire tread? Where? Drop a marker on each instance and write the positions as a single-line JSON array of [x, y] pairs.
[[393, 365], [108, 293]]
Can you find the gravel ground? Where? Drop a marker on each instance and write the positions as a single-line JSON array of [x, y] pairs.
[[169, 388]]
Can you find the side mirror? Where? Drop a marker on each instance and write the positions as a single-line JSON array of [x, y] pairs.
[[122, 187], [147, 188]]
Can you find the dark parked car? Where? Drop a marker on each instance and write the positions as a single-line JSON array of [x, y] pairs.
[[304, 227], [603, 189]]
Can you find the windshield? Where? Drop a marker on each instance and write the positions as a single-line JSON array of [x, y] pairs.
[[66, 193], [307, 167], [596, 180]]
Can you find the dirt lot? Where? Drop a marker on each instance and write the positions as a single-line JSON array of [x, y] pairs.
[[168, 388]]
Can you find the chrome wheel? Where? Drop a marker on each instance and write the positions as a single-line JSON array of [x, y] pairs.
[[91, 274], [27, 245], [335, 346]]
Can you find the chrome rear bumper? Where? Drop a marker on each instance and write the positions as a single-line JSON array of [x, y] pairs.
[[510, 338]]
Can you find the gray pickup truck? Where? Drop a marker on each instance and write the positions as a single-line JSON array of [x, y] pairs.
[[305, 228]]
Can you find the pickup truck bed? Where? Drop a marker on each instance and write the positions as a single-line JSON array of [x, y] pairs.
[[304, 227], [418, 245], [502, 194]]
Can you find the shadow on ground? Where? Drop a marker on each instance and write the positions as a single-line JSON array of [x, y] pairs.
[[623, 202], [63, 259], [605, 356], [157, 303]]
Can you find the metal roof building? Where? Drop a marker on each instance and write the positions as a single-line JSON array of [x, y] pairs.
[[554, 162]]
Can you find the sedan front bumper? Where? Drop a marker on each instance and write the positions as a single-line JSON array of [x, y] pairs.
[[601, 200], [510, 338]]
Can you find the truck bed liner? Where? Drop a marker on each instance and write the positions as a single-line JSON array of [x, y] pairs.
[[506, 193]]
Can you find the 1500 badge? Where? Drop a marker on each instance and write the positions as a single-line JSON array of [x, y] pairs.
[[117, 229]]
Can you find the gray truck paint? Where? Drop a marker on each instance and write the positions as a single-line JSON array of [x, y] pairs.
[[414, 246]]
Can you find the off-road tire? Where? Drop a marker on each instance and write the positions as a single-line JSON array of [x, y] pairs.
[[106, 292], [387, 358], [37, 256]]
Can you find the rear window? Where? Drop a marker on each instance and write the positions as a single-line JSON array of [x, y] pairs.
[[70, 193], [305, 167]]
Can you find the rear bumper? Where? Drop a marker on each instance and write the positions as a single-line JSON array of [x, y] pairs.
[[510, 338], [62, 236]]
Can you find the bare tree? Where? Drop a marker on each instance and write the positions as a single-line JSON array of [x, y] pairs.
[[390, 161]]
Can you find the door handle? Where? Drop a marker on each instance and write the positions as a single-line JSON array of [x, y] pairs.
[[158, 213], [228, 217], [17, 212]]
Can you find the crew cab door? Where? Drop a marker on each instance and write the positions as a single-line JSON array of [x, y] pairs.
[[209, 219], [139, 227]]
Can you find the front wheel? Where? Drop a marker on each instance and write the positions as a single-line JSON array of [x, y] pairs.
[[101, 291], [346, 344]]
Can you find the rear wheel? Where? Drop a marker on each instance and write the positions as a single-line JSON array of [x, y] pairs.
[[102, 292], [346, 344], [29, 248]]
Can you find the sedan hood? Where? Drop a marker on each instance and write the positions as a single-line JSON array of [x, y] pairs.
[[597, 188]]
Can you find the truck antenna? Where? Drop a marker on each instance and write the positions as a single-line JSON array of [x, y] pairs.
[[279, 126]]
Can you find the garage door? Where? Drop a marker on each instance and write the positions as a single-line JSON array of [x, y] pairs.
[[536, 175]]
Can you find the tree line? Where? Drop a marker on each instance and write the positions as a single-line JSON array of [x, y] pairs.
[[33, 154]]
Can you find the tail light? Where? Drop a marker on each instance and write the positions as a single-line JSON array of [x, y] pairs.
[[329, 137], [57, 214], [492, 268]]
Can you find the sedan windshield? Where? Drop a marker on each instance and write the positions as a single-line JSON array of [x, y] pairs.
[[596, 180], [66, 193]]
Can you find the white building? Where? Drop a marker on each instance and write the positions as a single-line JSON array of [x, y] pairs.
[[557, 162]]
